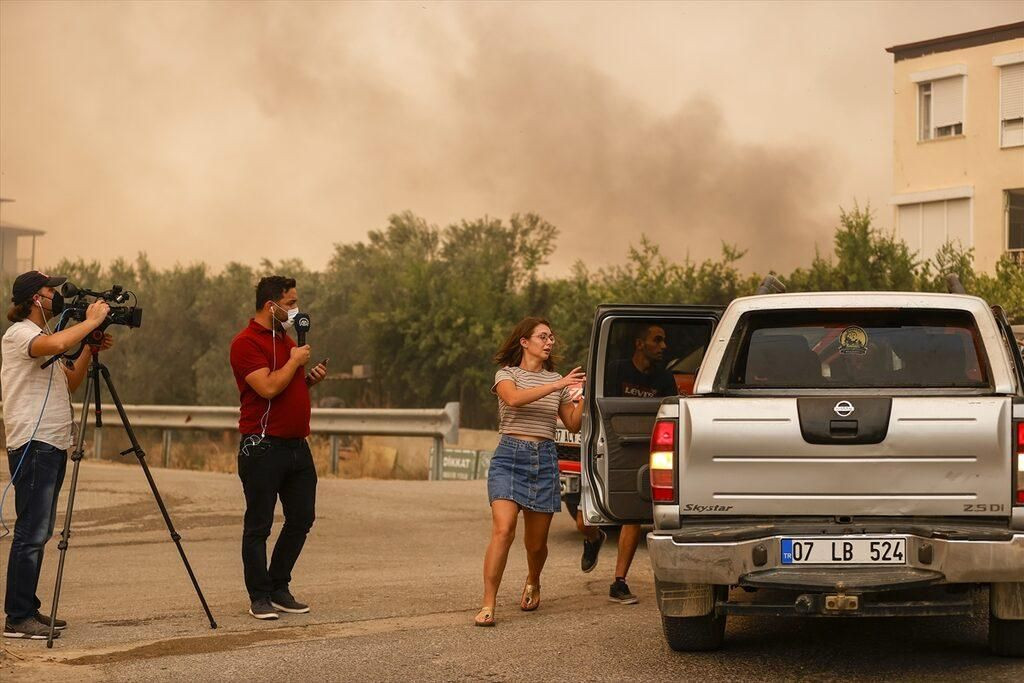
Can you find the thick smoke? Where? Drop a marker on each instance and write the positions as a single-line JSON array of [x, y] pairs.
[[240, 131], [561, 139]]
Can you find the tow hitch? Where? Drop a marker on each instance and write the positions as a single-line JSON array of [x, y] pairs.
[[842, 603], [810, 603]]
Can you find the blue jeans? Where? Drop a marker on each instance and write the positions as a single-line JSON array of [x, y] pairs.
[[36, 488]]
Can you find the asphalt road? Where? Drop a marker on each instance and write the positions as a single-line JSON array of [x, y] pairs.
[[392, 571]]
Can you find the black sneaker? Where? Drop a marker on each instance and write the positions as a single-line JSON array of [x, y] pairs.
[[283, 601], [262, 609], [27, 628], [619, 592], [58, 625], [590, 552]]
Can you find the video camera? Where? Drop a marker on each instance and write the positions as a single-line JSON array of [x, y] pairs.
[[78, 301]]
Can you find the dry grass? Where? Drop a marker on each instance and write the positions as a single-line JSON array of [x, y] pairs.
[[218, 451]]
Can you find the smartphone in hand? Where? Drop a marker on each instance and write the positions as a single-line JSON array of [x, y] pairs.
[[309, 375]]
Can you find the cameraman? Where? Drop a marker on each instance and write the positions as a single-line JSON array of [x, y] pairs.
[[273, 457], [39, 426]]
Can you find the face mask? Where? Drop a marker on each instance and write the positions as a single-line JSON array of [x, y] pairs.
[[56, 302], [292, 312]]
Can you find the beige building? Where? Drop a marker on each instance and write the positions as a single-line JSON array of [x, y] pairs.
[[17, 246], [958, 148]]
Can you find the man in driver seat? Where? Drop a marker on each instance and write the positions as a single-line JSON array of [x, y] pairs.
[[642, 375]]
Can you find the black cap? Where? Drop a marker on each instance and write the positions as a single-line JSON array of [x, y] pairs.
[[27, 284]]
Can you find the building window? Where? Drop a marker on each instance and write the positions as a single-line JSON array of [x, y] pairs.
[[1015, 220], [924, 106], [1011, 105], [927, 226], [940, 108]]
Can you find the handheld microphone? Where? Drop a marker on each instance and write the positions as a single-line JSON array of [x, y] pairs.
[[302, 327]]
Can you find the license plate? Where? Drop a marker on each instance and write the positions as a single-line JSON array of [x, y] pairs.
[[563, 435], [569, 484], [844, 550]]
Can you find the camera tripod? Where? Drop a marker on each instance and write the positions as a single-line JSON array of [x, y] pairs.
[[92, 391]]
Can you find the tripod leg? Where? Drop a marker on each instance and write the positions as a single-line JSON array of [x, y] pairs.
[[141, 455], [76, 458]]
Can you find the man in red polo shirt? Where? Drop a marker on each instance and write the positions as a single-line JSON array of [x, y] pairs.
[[273, 457]]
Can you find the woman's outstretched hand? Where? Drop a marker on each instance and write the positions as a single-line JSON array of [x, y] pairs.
[[574, 378]]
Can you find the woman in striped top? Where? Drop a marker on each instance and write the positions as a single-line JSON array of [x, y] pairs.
[[524, 470]]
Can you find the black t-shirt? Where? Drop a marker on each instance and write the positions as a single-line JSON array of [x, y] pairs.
[[625, 380]]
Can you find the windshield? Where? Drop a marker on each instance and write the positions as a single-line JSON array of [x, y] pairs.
[[855, 348]]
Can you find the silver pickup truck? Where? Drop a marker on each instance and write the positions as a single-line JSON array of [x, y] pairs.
[[839, 455]]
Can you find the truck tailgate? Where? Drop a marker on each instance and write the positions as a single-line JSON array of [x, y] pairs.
[[947, 456]]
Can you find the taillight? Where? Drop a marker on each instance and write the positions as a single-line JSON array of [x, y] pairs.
[[663, 451], [1020, 463]]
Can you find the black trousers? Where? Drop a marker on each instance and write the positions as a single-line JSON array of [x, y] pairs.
[[276, 468]]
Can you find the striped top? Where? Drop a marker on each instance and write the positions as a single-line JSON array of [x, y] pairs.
[[533, 419]]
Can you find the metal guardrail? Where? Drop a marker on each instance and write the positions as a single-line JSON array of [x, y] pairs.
[[441, 425]]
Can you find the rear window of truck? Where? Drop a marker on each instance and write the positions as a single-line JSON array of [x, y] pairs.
[[855, 348]]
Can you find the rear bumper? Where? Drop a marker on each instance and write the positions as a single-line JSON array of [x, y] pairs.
[[569, 479], [995, 557]]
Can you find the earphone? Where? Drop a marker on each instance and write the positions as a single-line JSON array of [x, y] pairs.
[[43, 311], [253, 441]]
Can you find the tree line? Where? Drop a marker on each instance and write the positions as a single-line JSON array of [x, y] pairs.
[[426, 307]]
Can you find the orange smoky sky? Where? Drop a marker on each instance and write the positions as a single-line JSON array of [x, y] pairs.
[[236, 131]]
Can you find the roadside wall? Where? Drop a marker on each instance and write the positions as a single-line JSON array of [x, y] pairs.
[[391, 457]]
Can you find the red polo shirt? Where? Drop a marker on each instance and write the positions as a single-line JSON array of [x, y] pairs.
[[254, 348]]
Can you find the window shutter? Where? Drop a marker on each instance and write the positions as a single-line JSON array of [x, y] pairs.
[[1011, 92], [933, 228], [947, 102], [910, 225], [958, 222]]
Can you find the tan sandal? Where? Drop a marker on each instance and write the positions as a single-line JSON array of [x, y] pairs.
[[531, 598], [485, 617]]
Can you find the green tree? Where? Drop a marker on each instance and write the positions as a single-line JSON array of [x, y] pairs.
[[427, 307], [866, 259], [230, 302]]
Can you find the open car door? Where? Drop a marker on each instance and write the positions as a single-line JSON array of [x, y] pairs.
[[639, 355]]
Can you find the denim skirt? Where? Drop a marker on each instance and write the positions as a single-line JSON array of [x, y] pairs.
[[525, 472]]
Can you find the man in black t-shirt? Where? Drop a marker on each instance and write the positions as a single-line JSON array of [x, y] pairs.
[[641, 376]]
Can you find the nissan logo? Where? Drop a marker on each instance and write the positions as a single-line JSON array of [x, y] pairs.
[[844, 409]]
